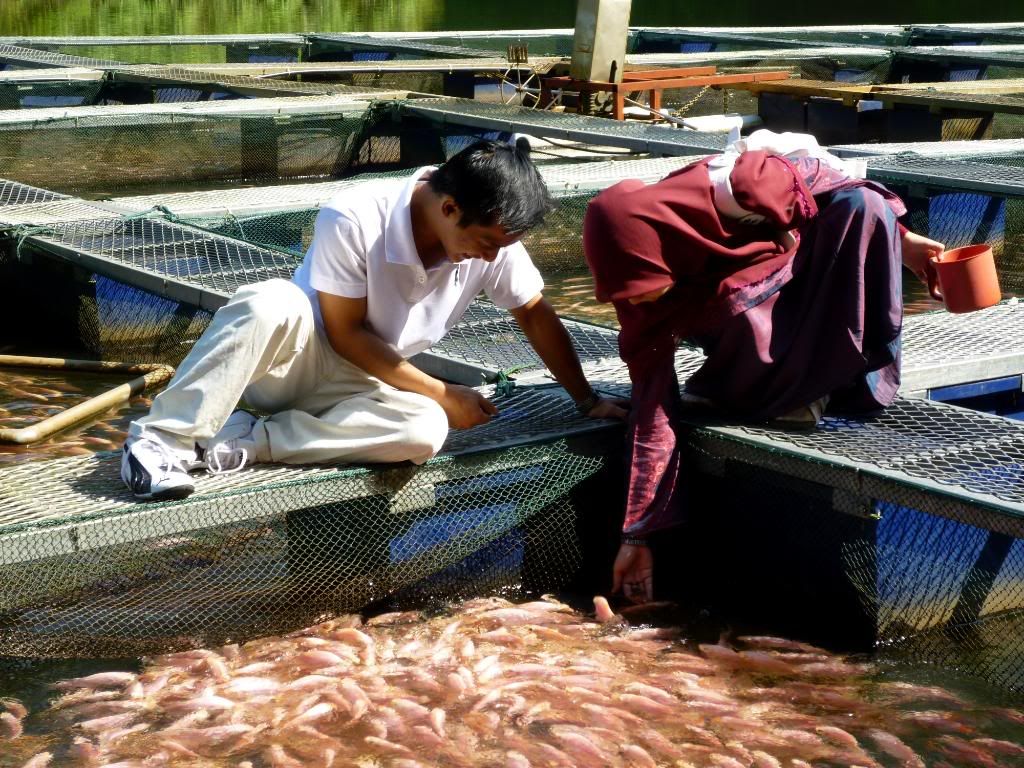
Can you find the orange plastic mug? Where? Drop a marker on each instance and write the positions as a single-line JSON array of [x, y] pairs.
[[964, 279]]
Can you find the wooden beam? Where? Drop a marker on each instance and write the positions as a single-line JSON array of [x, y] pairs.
[[657, 74]]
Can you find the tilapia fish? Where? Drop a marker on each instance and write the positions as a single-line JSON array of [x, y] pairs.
[[492, 683]]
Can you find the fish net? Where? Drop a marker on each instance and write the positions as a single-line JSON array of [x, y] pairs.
[[89, 573], [930, 579]]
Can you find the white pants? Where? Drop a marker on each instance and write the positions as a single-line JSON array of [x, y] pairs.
[[263, 345]]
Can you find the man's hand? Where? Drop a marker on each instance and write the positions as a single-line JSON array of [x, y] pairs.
[[917, 250], [633, 572], [610, 408], [465, 407]]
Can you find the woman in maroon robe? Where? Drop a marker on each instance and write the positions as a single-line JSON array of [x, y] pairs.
[[786, 273]]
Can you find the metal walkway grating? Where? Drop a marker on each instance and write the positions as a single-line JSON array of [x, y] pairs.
[[239, 84], [942, 349], [1005, 55], [991, 32], [963, 150], [869, 34], [170, 260], [123, 116], [13, 193], [54, 494], [63, 209], [939, 349], [740, 37], [930, 456], [488, 341], [563, 180], [31, 57], [959, 175], [875, 55], [63, 75], [60, 41], [469, 114]]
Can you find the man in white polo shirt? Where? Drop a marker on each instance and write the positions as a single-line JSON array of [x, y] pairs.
[[392, 267]]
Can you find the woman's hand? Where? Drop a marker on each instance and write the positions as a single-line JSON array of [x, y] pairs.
[[633, 572], [917, 250], [610, 408]]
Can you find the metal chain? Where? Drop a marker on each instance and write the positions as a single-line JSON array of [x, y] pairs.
[[688, 105]]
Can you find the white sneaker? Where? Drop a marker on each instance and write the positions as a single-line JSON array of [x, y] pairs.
[[151, 470], [233, 447]]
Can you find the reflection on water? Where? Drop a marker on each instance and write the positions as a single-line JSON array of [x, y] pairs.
[[200, 17], [28, 396], [572, 295]]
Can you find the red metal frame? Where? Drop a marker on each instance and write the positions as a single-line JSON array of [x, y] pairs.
[[654, 81]]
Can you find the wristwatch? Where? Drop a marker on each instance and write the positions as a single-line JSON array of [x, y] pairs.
[[588, 403], [634, 541]]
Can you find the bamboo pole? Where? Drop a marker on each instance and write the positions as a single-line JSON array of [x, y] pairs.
[[152, 375]]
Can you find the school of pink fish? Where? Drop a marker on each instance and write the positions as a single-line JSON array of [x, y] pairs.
[[27, 397], [492, 683]]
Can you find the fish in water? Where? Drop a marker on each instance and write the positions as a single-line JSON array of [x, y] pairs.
[[492, 683]]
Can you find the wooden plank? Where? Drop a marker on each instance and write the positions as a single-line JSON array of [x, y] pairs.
[[1007, 86], [797, 87], [657, 74], [672, 82]]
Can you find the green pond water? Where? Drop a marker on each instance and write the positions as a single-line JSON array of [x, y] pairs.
[[176, 17]]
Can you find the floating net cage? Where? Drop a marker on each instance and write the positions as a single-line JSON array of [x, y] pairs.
[[937, 578], [41, 93], [960, 201], [91, 573], [697, 40], [170, 49], [113, 148]]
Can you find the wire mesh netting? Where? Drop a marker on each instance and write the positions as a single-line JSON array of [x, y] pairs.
[[102, 50], [944, 590], [99, 152], [339, 47], [109, 577], [468, 114], [555, 246], [15, 193], [940, 575], [240, 557], [23, 93], [538, 42], [697, 40], [20, 57]]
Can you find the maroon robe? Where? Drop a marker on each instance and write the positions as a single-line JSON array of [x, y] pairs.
[[783, 321]]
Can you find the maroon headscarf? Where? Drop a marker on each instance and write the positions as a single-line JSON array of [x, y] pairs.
[[639, 237]]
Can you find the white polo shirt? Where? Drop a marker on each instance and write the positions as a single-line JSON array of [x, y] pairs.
[[363, 247]]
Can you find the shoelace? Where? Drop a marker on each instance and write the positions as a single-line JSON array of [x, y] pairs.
[[215, 464], [168, 459]]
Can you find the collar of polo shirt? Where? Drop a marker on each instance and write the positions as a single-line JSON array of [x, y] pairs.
[[399, 245]]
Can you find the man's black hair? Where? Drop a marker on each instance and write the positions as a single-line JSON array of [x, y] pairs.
[[494, 183]]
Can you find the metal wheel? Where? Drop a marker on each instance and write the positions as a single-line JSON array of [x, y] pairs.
[[515, 88]]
